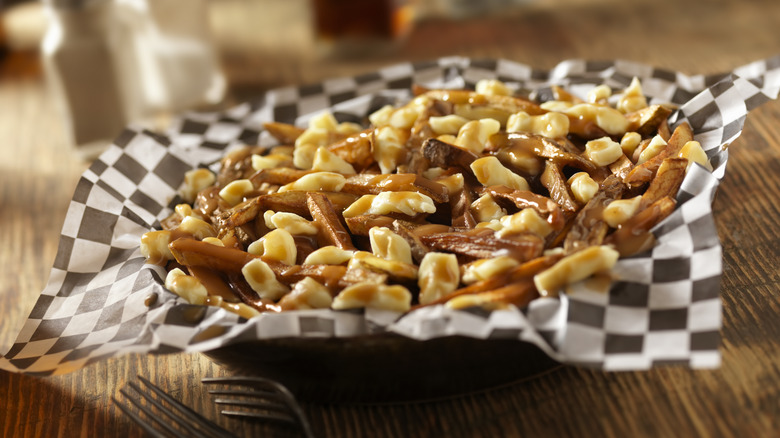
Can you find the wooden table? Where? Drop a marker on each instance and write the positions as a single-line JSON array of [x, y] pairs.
[[38, 173]]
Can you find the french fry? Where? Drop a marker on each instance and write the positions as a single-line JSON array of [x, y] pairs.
[[277, 176], [521, 274], [356, 149], [239, 215], [191, 252], [471, 247], [442, 154], [460, 211], [553, 180], [588, 227], [518, 294], [395, 270], [237, 164], [357, 275], [667, 181], [365, 184], [283, 132], [525, 199], [585, 129], [621, 167], [562, 95], [294, 201], [241, 288], [332, 232], [331, 276], [194, 253], [304, 246], [214, 282], [359, 225], [647, 120], [634, 235], [646, 171], [547, 149], [507, 104], [419, 249]]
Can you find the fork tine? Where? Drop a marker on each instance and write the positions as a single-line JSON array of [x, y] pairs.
[[243, 380], [280, 417], [178, 413], [260, 387], [137, 419], [189, 414], [272, 409], [257, 393], [269, 401], [262, 404], [273, 405], [156, 418]]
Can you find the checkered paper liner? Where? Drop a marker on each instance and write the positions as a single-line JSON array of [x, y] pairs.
[[664, 306]]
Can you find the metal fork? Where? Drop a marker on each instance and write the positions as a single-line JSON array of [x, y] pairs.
[[257, 397], [161, 415]]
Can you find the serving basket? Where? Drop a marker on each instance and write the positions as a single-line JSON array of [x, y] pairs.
[[663, 307]]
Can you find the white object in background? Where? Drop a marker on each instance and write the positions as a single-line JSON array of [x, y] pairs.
[[115, 62], [164, 57], [23, 25], [78, 63]]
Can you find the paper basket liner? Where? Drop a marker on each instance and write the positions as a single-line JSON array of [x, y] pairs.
[[664, 306]]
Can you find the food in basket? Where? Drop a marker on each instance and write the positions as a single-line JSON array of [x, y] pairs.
[[459, 197]]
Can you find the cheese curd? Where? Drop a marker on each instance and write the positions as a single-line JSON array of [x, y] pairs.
[[408, 203], [438, 276], [489, 171], [379, 296], [263, 280]]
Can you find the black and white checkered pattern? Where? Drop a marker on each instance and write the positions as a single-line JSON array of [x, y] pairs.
[[663, 308]]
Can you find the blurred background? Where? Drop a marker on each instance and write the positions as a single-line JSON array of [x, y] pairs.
[[74, 72], [107, 63]]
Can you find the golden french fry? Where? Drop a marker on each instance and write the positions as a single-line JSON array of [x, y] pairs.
[[634, 235], [470, 247], [443, 154], [506, 104], [518, 294], [521, 274], [277, 176], [294, 201], [237, 164], [667, 181], [360, 225], [367, 184], [553, 180], [356, 150], [284, 132], [325, 216], [646, 171], [647, 120], [546, 148], [191, 252], [588, 227]]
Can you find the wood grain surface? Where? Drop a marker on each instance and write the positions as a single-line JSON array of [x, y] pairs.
[[38, 172]]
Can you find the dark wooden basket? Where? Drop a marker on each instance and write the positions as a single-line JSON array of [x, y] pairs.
[[384, 368]]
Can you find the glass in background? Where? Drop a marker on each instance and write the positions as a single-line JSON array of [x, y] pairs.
[[360, 27]]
